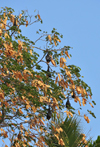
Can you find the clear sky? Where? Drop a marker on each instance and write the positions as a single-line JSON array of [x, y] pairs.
[[79, 22]]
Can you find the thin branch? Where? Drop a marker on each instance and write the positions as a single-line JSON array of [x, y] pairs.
[[39, 48], [39, 60]]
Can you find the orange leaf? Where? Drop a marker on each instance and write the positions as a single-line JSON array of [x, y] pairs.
[[59, 77], [55, 43], [67, 54], [0, 32], [63, 60], [20, 111], [14, 109], [56, 80], [56, 135], [0, 114], [1, 95], [53, 62], [39, 16], [69, 113], [68, 73], [78, 112], [91, 105], [86, 118], [59, 130], [26, 23], [1, 51], [27, 106], [56, 38], [84, 101], [3, 141], [4, 14], [78, 89], [34, 109], [62, 53], [61, 142], [90, 96]]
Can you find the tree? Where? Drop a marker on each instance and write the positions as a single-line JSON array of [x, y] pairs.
[[29, 94]]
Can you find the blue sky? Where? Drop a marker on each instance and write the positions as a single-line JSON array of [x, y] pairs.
[[79, 22]]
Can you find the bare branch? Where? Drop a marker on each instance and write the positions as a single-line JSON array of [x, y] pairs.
[[39, 60]]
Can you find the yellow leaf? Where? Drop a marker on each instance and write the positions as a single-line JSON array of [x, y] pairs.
[[11, 45], [31, 52], [26, 133], [43, 118], [5, 20], [20, 16], [49, 37], [6, 35], [20, 43]]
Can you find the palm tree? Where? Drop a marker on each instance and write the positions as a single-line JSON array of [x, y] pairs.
[[95, 143], [71, 135]]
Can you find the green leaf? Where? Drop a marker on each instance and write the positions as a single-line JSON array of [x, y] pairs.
[[94, 102], [91, 113]]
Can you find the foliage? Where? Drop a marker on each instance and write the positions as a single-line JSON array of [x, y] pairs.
[[72, 133], [95, 143], [26, 89]]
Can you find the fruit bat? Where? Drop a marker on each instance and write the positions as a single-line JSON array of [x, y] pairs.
[[73, 96], [48, 58], [48, 74], [14, 24], [68, 103], [49, 114]]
